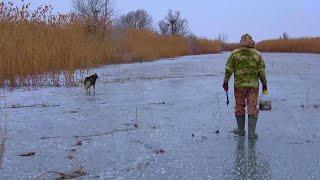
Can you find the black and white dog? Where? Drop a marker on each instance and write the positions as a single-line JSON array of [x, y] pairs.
[[90, 81]]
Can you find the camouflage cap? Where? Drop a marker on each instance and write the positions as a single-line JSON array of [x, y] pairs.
[[247, 41]]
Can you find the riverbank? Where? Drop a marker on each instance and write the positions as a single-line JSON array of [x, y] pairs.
[[299, 45], [35, 43], [30, 50]]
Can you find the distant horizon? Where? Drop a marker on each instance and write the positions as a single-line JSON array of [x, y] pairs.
[[266, 19]]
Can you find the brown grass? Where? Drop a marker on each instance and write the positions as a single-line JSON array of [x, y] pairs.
[[301, 45], [36, 43], [230, 46]]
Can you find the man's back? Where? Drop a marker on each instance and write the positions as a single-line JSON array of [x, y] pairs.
[[247, 66]]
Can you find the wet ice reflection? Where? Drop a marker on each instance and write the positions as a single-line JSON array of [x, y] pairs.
[[248, 163]]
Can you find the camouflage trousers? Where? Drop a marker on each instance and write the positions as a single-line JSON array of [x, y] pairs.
[[246, 97]]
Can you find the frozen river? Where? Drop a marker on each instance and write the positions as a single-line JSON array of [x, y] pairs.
[[158, 120]]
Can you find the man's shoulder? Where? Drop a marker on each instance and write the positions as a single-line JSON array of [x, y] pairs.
[[239, 50], [255, 51], [243, 53], [236, 50]]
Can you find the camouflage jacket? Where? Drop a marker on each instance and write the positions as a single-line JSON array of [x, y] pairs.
[[248, 67]]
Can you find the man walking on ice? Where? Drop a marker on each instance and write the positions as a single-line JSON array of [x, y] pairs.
[[248, 68]]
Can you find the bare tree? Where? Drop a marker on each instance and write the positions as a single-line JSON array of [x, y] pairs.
[[98, 11], [163, 27], [284, 36], [139, 19], [223, 39], [174, 24]]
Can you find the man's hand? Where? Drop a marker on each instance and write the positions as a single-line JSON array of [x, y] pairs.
[[226, 86], [264, 89]]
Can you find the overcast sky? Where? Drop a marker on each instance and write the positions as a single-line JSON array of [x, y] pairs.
[[264, 19]]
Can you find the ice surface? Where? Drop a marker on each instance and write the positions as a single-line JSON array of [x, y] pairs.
[[158, 120]]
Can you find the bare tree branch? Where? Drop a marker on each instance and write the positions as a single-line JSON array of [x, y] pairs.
[[139, 19], [98, 11], [284, 36], [174, 24], [164, 27], [223, 39]]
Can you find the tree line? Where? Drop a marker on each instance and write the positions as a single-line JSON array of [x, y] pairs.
[[100, 12]]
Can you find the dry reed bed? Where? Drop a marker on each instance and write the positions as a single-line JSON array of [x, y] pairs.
[[300, 45], [29, 49], [230, 46], [34, 43]]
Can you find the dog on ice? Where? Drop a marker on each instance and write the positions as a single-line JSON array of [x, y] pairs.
[[90, 82]]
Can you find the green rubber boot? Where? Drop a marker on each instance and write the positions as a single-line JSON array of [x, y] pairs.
[[252, 123], [241, 121]]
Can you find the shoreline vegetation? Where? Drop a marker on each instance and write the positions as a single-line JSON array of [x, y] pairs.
[[297, 45], [290, 45], [37, 42], [39, 48]]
